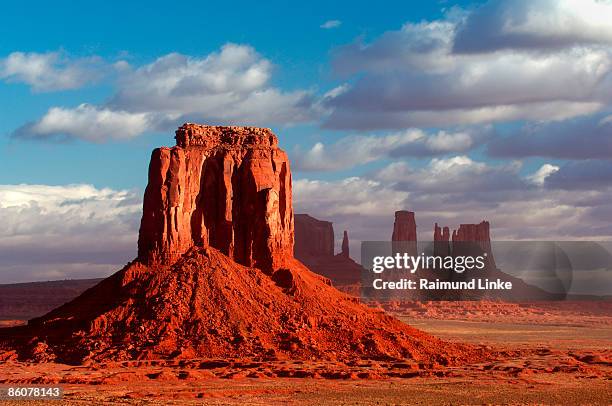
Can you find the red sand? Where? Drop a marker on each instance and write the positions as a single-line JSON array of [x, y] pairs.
[[206, 305]]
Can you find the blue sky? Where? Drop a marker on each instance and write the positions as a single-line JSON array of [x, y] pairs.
[[289, 35], [459, 111]]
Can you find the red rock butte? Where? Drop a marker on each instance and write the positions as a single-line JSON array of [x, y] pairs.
[[215, 274], [404, 236], [404, 227], [313, 237], [441, 241], [224, 187], [473, 232], [314, 247]]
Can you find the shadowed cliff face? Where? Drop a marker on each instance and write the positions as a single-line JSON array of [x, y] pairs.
[[404, 236], [404, 227], [313, 237], [345, 245], [225, 187], [474, 239], [441, 241]]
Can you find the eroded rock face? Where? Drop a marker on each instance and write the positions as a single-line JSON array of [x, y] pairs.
[[313, 237], [404, 227], [404, 237], [225, 187], [473, 232], [314, 247], [470, 236], [441, 241]]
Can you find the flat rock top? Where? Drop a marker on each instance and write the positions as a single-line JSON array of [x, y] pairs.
[[209, 136]]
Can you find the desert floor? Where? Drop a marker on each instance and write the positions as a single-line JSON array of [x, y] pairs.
[[553, 355]]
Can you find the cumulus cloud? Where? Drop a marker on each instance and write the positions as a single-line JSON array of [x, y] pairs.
[[332, 196], [414, 77], [229, 86], [458, 190], [497, 80], [581, 138], [56, 232], [535, 24], [539, 176], [50, 71], [356, 150], [363, 206], [87, 122], [346, 118], [331, 24], [581, 175], [457, 174]]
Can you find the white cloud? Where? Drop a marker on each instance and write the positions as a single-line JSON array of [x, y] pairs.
[[65, 231], [459, 190], [50, 71], [226, 87], [229, 86], [535, 24], [331, 24], [539, 176], [356, 150], [457, 174], [346, 118], [413, 77], [350, 196], [419, 46], [588, 137], [87, 122]]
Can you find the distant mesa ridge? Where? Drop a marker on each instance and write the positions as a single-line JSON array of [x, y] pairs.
[[313, 236]]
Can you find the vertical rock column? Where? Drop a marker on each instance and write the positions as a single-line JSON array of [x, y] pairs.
[[441, 241], [345, 245], [404, 237], [225, 187]]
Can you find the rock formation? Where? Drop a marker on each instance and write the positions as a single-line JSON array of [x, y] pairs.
[[224, 187], [215, 274], [314, 247], [474, 239], [345, 245], [473, 232], [313, 237], [404, 237], [404, 227], [441, 241]]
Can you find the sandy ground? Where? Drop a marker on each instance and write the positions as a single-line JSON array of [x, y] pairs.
[[560, 390], [546, 362]]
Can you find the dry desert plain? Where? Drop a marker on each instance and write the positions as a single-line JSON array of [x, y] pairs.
[[548, 353]]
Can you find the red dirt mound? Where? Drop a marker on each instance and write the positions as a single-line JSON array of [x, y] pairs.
[[206, 305]]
